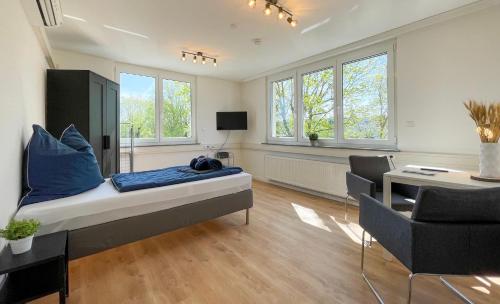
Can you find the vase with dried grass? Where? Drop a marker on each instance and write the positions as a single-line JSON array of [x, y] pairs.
[[487, 119]]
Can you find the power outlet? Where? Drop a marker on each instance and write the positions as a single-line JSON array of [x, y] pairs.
[[410, 124]]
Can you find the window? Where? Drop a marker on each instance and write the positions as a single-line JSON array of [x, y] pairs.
[[137, 105], [176, 122], [283, 108], [347, 100], [159, 105], [365, 103], [318, 103]]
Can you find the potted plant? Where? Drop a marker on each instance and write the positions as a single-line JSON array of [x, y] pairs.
[[20, 234], [313, 138], [487, 119]]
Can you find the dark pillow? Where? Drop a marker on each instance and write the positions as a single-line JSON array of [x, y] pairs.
[[55, 169], [202, 164], [214, 164], [436, 204]]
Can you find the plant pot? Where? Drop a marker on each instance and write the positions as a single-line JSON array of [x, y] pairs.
[[314, 143], [489, 160], [22, 245]]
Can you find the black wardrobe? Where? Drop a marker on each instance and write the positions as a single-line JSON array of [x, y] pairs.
[[90, 102]]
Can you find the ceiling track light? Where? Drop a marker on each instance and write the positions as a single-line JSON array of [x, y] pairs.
[[282, 12], [268, 10], [195, 55]]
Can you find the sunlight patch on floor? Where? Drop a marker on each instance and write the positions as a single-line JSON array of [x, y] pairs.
[[494, 280], [481, 289], [483, 281], [352, 230], [309, 216]]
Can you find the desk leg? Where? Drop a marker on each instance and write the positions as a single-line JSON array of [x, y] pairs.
[[388, 202], [66, 268], [387, 191]]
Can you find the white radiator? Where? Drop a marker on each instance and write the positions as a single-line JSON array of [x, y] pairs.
[[325, 177]]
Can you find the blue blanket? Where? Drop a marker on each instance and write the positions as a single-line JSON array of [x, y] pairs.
[[125, 182]]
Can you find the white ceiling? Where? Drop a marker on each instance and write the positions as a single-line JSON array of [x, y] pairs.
[[205, 25]]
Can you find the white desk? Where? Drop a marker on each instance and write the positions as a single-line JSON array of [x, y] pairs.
[[453, 179]]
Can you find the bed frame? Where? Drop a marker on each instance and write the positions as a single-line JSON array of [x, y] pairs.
[[89, 240]]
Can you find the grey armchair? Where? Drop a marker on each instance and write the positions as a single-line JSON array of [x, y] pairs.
[[366, 176], [450, 232]]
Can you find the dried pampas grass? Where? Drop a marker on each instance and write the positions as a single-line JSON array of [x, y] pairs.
[[487, 119]]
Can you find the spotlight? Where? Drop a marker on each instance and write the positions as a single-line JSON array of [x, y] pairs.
[[252, 3], [292, 22], [183, 56], [215, 62], [281, 14], [268, 11], [204, 60], [194, 59]]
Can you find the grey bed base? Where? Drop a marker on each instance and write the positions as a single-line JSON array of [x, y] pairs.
[[89, 240]]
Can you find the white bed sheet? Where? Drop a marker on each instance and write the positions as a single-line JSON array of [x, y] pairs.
[[104, 203]]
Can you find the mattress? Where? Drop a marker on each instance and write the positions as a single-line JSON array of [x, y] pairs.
[[105, 204]]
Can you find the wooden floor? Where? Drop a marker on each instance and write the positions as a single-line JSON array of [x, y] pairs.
[[297, 249]]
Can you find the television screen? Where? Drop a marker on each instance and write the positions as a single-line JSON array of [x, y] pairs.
[[231, 120]]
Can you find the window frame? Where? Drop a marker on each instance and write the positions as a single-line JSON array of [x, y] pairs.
[[159, 76], [275, 78], [337, 62], [359, 55]]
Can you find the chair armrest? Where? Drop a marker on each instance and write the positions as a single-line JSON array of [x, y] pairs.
[[357, 185], [391, 229]]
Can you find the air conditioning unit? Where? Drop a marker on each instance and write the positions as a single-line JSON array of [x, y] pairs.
[[46, 13]]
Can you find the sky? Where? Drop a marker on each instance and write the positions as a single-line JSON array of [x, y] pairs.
[[137, 86]]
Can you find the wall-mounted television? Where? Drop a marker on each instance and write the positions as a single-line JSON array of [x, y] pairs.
[[231, 120]]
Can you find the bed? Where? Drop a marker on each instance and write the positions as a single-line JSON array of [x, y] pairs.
[[103, 218]]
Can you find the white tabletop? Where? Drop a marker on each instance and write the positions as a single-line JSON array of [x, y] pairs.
[[453, 178]]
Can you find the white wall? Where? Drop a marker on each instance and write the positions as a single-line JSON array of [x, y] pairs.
[[440, 67], [212, 95], [437, 69], [22, 99], [76, 61]]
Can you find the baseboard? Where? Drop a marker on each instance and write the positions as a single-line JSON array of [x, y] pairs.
[[335, 198]]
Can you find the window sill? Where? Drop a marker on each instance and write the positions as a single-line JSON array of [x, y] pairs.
[[145, 145], [382, 149]]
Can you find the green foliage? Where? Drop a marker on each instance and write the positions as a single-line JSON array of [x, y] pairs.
[[313, 136], [283, 108], [318, 96], [176, 109], [141, 113], [16, 230], [365, 98]]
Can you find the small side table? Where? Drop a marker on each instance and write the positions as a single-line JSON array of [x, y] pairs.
[[39, 272], [229, 158]]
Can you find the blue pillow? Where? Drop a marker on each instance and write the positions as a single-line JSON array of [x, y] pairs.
[[55, 169]]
